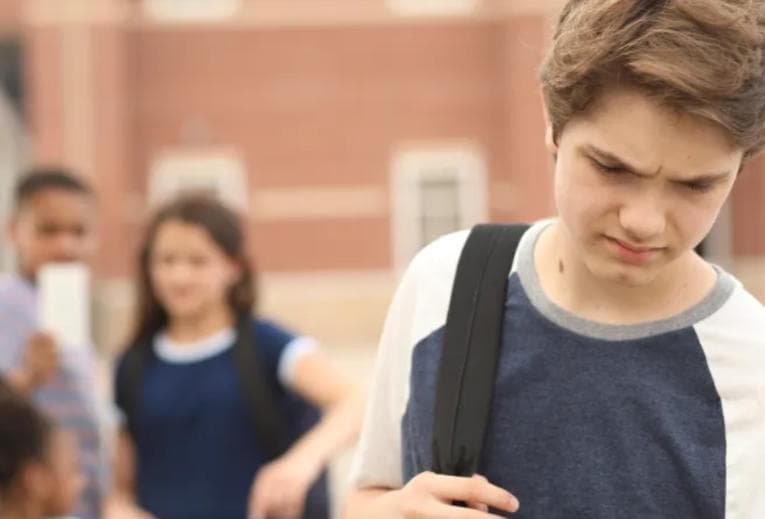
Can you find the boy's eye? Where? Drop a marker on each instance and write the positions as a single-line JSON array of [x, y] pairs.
[[699, 187], [607, 168]]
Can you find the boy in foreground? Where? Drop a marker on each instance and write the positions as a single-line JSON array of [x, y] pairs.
[[631, 379]]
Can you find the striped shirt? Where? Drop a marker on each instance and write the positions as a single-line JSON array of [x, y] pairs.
[[69, 398]]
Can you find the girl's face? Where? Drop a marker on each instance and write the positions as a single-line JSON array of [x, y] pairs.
[[62, 481], [190, 273]]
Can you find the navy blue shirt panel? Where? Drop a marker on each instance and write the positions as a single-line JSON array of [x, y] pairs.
[[589, 428]]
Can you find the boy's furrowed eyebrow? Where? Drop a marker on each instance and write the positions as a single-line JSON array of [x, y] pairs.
[[611, 159], [614, 161]]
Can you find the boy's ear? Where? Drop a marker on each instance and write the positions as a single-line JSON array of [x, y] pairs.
[[550, 144]]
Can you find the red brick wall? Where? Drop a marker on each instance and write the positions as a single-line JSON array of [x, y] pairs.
[[749, 210], [327, 107], [523, 160], [44, 102], [10, 16]]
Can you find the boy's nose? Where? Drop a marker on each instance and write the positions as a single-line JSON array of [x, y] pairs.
[[642, 220]]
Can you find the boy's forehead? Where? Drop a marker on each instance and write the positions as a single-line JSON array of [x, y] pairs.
[[53, 200], [638, 113], [643, 132]]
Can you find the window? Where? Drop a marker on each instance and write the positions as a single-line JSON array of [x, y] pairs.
[[221, 174], [435, 191], [439, 200]]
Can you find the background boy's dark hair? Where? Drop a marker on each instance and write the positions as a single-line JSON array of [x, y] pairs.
[[24, 436], [43, 178]]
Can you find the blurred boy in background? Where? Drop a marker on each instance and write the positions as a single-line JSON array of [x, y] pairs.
[[52, 222]]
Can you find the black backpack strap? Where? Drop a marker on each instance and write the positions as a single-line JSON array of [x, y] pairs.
[[128, 385], [268, 418], [472, 342], [277, 417]]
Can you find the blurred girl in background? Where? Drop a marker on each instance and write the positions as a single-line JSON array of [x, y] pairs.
[[209, 391]]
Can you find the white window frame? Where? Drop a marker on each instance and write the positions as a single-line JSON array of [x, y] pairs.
[[464, 163], [221, 171], [180, 11], [433, 7]]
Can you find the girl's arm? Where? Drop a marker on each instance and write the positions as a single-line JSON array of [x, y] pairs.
[[281, 486], [317, 380], [121, 503]]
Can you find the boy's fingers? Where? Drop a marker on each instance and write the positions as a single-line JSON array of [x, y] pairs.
[[453, 512], [472, 490], [478, 506]]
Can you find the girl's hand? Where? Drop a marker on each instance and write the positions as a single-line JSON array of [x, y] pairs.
[[119, 508], [280, 488]]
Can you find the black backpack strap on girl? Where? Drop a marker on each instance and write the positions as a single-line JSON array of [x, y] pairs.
[[472, 343], [129, 384], [262, 401]]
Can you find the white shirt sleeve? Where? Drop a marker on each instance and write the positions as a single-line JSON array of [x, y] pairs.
[[418, 308], [293, 352]]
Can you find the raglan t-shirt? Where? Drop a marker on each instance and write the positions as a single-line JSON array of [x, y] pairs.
[[662, 419]]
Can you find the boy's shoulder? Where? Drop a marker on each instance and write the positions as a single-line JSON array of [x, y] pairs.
[[17, 302], [423, 295], [740, 320], [438, 259], [13, 285], [425, 289]]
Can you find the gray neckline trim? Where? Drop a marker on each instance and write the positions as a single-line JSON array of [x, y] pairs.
[[527, 273]]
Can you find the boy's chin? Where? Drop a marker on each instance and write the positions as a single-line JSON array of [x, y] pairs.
[[628, 276]]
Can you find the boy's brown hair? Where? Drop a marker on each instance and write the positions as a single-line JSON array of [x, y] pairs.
[[701, 57]]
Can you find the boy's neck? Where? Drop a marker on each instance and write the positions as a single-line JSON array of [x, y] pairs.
[[682, 284], [192, 328], [28, 276]]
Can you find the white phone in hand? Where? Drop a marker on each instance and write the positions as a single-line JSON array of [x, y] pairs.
[[64, 303]]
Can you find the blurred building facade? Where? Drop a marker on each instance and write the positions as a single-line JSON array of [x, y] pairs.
[[13, 142], [349, 131]]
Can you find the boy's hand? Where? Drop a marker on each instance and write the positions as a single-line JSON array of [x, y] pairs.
[[40, 361], [431, 495]]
